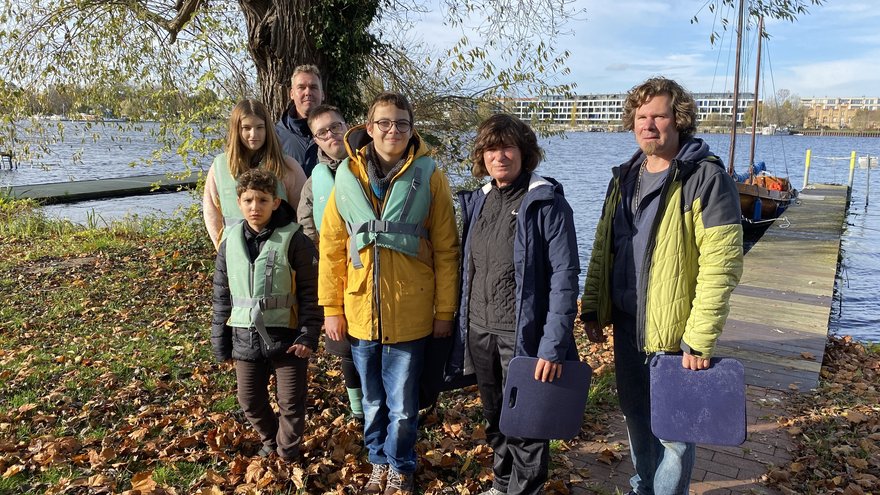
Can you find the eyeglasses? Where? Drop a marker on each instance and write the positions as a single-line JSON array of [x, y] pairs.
[[385, 125], [337, 128]]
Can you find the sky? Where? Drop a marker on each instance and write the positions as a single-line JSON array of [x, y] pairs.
[[833, 51]]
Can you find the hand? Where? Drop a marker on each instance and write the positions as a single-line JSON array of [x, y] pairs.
[[300, 351], [546, 371], [442, 328], [335, 327], [594, 332], [692, 362]]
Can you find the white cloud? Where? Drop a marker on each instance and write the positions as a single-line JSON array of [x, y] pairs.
[[848, 77]]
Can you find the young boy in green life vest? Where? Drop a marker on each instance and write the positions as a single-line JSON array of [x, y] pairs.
[[266, 316], [328, 128], [388, 277]]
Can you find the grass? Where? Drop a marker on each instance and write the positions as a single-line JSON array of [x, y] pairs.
[[183, 474], [603, 391], [117, 353]]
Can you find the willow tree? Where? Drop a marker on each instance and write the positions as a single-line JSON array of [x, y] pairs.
[[184, 62]]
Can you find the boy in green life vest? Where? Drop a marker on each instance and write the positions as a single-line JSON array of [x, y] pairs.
[[266, 316], [388, 277], [328, 128]]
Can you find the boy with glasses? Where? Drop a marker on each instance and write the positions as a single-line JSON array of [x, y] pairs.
[[388, 277], [328, 127]]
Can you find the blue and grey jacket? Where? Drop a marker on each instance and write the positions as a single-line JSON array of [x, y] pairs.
[[545, 256], [296, 140]]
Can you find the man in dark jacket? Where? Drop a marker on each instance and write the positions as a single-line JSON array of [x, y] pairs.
[[667, 254], [266, 315], [292, 128]]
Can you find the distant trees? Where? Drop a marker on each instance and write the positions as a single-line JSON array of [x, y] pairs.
[[782, 110], [866, 120], [170, 53]]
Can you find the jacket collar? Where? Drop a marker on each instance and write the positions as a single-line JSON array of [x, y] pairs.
[[692, 152], [539, 187]]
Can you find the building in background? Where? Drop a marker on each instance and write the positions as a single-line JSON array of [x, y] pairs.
[[602, 112], [838, 113]]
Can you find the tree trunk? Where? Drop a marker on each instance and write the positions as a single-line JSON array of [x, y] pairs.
[[278, 41]]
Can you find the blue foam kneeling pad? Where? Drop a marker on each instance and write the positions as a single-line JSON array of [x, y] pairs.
[[706, 406], [544, 410]]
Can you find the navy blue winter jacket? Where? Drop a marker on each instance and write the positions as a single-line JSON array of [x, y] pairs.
[[545, 256]]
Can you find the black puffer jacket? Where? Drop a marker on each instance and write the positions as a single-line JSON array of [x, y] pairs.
[[245, 344], [493, 288]]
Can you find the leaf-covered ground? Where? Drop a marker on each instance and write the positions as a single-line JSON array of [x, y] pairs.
[[836, 430], [107, 384]]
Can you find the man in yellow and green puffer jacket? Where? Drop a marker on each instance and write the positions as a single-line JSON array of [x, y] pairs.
[[666, 256]]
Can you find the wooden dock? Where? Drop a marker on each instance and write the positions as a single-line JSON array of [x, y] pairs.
[[82, 190], [779, 314]]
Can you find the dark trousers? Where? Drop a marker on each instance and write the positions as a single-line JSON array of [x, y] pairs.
[[342, 349], [520, 464], [284, 431]]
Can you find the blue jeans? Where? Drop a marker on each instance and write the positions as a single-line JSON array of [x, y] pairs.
[[390, 376], [662, 467]]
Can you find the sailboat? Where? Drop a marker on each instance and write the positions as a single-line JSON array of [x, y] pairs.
[[763, 197]]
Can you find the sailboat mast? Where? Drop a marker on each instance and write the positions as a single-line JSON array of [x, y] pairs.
[[755, 112], [735, 109]]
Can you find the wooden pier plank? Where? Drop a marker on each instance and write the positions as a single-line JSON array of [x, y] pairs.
[[68, 192], [778, 323]]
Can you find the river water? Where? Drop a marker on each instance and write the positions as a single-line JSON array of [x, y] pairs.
[[580, 161]]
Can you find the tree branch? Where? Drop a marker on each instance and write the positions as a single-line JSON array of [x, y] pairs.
[[185, 9]]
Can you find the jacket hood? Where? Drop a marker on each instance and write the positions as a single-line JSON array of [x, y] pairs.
[[356, 139], [284, 215], [539, 188], [692, 152]]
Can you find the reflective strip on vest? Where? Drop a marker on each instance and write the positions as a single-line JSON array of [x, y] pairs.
[[226, 192], [406, 206], [263, 292], [322, 185]]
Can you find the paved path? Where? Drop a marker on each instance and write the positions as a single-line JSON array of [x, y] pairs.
[[778, 327]]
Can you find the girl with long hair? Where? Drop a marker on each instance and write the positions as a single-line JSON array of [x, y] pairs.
[[250, 143]]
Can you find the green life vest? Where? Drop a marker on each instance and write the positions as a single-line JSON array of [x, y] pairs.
[[322, 185], [405, 209], [226, 183], [263, 292]]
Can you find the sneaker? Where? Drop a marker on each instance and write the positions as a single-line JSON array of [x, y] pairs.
[[376, 483], [493, 491], [400, 484]]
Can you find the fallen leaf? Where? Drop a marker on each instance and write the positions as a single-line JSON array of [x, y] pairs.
[[13, 470], [608, 456], [143, 482]]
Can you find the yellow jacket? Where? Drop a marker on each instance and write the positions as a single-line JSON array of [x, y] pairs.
[[401, 303]]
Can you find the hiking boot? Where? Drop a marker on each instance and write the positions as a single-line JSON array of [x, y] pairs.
[[376, 483], [493, 491], [400, 483]]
